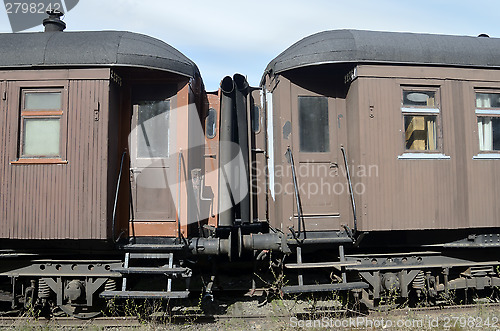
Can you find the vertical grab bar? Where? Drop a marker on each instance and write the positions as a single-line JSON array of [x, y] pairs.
[[350, 189], [179, 195], [297, 196], [113, 226]]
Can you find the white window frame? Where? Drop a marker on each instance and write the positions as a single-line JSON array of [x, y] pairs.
[[409, 110], [485, 154]]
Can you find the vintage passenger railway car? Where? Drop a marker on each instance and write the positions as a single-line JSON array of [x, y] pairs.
[[368, 161], [410, 122], [90, 124]]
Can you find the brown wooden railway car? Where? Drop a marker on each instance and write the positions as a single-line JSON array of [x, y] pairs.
[[71, 104], [390, 140], [408, 110], [101, 142], [371, 158]]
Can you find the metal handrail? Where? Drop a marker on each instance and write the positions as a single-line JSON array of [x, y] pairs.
[[179, 165], [350, 190], [116, 198], [297, 198]]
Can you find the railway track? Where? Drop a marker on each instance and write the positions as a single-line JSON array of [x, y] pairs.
[[61, 322], [465, 317]]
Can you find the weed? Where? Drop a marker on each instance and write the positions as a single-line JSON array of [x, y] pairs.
[[278, 278]]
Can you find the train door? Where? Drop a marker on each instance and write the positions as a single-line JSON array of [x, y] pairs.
[[316, 156], [209, 202], [150, 155], [258, 156]]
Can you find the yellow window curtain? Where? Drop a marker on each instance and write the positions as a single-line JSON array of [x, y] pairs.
[[431, 133]]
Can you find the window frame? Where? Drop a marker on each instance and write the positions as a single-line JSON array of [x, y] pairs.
[[255, 116], [479, 112], [60, 114], [215, 124], [415, 110]]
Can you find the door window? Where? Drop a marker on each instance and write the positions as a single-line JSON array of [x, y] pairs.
[[313, 124], [153, 129]]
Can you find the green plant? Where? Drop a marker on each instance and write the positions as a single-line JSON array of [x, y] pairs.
[[278, 278]]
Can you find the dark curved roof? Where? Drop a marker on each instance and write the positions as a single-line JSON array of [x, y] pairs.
[[90, 49], [355, 46]]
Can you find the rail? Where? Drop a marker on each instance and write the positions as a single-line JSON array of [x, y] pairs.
[[113, 226], [353, 203]]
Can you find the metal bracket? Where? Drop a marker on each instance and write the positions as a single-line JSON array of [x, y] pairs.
[[57, 287], [91, 287]]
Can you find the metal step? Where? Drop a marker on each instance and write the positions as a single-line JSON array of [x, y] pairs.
[[150, 256], [5, 296], [145, 294], [323, 287], [320, 265], [152, 247], [183, 272]]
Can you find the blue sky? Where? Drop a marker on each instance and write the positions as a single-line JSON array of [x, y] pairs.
[[228, 36]]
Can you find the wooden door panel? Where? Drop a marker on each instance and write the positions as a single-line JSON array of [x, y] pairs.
[[153, 199], [316, 151], [151, 163]]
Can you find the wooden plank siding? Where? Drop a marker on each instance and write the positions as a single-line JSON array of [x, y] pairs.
[[333, 182], [453, 191], [459, 192], [58, 201]]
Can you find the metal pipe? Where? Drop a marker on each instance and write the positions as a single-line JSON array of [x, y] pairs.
[[209, 246], [226, 138], [54, 23], [242, 122], [270, 241]]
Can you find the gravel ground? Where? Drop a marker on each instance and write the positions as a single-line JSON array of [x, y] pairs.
[[257, 314], [281, 315]]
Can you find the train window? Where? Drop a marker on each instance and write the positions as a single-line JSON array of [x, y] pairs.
[[420, 110], [420, 132], [41, 137], [153, 128], [488, 121], [42, 100], [41, 114], [211, 123], [255, 119], [419, 98], [313, 124]]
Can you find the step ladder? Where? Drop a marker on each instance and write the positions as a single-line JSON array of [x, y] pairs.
[[311, 288], [142, 253]]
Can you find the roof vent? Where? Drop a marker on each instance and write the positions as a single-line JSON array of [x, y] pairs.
[[53, 23], [483, 35]]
